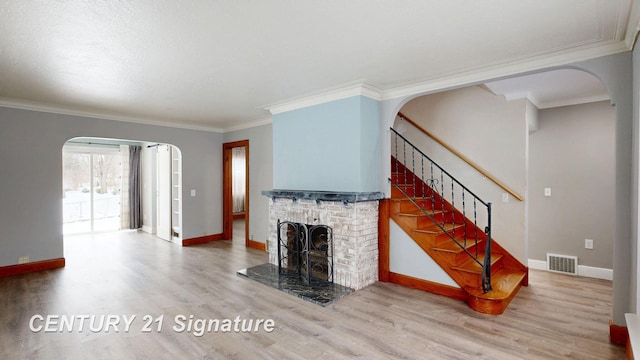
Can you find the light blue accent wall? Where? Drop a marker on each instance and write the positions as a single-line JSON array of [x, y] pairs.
[[371, 175], [328, 147]]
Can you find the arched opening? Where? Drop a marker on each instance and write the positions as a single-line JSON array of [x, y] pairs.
[[550, 136], [115, 184]]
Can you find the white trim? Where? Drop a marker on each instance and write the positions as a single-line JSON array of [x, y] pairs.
[[542, 61], [148, 229], [506, 69], [633, 326], [585, 100], [583, 270], [594, 272], [325, 97], [248, 125], [537, 264], [633, 25], [33, 106]]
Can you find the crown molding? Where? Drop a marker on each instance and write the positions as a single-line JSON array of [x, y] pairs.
[[33, 106], [584, 100], [247, 125], [633, 24], [506, 69], [325, 97]]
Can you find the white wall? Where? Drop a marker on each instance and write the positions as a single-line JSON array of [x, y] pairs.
[[148, 178], [31, 153], [407, 258]]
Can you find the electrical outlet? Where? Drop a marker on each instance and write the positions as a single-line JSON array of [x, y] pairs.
[[588, 244], [23, 259], [505, 197]]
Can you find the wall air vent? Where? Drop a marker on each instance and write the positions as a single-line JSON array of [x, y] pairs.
[[562, 264]]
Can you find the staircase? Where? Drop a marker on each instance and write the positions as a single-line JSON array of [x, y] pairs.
[[443, 218]]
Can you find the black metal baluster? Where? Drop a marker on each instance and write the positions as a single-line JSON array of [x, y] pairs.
[[475, 225], [453, 208], [413, 171], [486, 280], [464, 222], [442, 195], [423, 180], [404, 162], [432, 190]]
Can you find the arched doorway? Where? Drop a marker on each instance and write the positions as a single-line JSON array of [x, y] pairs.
[[117, 184]]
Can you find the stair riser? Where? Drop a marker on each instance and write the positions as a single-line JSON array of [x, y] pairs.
[[416, 222], [463, 256], [402, 204], [439, 218], [497, 265], [460, 232], [406, 206], [401, 178], [411, 190]]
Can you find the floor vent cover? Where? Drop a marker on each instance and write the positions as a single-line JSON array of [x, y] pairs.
[[562, 263]]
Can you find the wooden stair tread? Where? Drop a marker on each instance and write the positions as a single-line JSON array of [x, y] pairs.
[[434, 229], [420, 213], [451, 247], [503, 283], [472, 266]]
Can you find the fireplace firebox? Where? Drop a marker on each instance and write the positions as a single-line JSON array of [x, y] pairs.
[[305, 250]]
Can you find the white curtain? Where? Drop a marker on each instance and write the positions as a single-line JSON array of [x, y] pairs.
[[238, 179]]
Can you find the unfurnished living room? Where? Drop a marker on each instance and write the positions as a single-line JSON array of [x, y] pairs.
[[309, 180]]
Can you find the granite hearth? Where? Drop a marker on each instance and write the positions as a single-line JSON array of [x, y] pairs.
[[322, 292]]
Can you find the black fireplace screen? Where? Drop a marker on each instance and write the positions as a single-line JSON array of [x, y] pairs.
[[306, 250]]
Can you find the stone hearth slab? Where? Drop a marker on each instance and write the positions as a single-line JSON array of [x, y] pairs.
[[320, 293]]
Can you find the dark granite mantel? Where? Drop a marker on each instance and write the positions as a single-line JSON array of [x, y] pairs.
[[346, 197]]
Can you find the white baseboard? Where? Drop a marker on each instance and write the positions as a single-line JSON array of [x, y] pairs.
[[537, 264], [148, 229], [594, 272], [583, 270]]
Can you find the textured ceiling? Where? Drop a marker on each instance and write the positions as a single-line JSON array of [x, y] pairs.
[[220, 64]]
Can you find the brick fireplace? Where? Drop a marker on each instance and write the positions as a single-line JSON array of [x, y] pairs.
[[353, 218]]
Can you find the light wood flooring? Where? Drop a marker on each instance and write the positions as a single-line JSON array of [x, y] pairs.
[[129, 273]]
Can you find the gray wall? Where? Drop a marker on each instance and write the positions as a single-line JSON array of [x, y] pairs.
[[31, 153], [260, 176], [573, 153], [634, 250]]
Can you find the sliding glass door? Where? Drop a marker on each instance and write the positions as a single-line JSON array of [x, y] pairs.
[[92, 189]]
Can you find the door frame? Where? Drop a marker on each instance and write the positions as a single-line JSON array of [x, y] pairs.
[[227, 194]]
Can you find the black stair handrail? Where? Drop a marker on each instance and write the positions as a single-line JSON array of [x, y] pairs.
[[429, 189]]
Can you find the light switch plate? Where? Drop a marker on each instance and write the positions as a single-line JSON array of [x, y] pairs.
[[193, 192], [547, 191], [588, 244]]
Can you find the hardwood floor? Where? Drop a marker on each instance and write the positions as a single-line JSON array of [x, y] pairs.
[[130, 273]]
